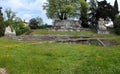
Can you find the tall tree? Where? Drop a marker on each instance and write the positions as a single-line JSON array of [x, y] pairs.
[[93, 8], [10, 14], [83, 11], [11, 18], [116, 7], [117, 24], [33, 23], [59, 9], [39, 20], [2, 25], [65, 9]]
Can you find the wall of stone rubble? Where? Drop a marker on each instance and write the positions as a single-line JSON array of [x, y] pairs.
[[67, 25]]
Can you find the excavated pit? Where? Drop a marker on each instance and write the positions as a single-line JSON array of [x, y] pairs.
[[71, 39]]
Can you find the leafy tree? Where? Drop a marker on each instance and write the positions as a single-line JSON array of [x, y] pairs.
[[39, 20], [93, 8], [9, 21], [105, 10], [59, 9], [2, 25], [36, 23], [67, 9], [33, 23], [15, 22], [10, 14], [117, 24]]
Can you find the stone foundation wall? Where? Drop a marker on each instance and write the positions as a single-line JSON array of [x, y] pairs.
[[67, 25]]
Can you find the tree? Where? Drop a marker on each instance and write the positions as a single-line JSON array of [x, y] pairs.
[[116, 7], [59, 9], [15, 22], [93, 8], [83, 11], [9, 21], [67, 9], [105, 10], [117, 24], [2, 25], [39, 20], [33, 23], [10, 14]]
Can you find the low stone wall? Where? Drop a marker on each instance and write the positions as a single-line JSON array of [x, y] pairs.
[[50, 37], [67, 25]]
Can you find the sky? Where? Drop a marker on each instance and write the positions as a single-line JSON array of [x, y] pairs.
[[27, 9]]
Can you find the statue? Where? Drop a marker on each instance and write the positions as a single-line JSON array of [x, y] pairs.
[[109, 23], [9, 32], [102, 28]]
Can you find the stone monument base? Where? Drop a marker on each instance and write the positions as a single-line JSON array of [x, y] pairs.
[[67, 25]]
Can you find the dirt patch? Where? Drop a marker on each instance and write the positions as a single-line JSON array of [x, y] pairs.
[[3, 71]]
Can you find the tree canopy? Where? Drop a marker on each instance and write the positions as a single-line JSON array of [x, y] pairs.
[[105, 10], [116, 7], [2, 25], [64, 9], [93, 7]]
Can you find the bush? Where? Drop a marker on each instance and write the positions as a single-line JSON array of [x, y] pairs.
[[22, 30], [117, 25], [18, 32]]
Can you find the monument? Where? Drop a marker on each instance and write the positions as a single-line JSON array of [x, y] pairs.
[[67, 25], [9, 32], [102, 28]]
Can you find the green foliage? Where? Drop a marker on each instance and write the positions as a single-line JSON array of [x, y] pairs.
[[2, 25], [93, 7], [10, 14], [65, 9], [83, 13], [21, 31], [39, 20], [117, 25], [116, 9], [15, 22], [21, 28], [35, 23], [9, 22]]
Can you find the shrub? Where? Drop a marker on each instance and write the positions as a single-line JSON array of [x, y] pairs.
[[18, 32], [21, 29]]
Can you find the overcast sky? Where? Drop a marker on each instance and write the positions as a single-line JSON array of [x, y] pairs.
[[27, 9]]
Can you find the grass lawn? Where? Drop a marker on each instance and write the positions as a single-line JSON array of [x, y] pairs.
[[28, 58], [63, 32]]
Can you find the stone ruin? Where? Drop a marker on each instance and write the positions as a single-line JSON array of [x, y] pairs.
[[67, 25], [103, 26], [9, 32]]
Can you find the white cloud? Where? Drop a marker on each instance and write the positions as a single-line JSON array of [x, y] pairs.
[[26, 9], [27, 16]]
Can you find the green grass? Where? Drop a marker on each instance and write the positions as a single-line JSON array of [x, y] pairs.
[[63, 32], [28, 58]]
